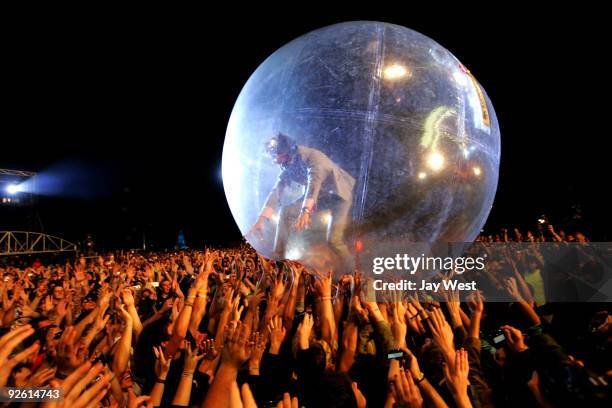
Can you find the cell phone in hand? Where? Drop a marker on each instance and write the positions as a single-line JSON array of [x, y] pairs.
[[499, 338], [395, 354]]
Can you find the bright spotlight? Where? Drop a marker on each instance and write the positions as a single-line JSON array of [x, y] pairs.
[[326, 218], [13, 189], [435, 161], [477, 171], [422, 175], [395, 72], [294, 254]]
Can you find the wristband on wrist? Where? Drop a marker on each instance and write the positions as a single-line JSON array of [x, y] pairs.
[[420, 378], [160, 381], [188, 304], [187, 373], [326, 298]]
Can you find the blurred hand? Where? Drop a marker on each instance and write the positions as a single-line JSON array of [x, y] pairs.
[[405, 391], [41, 377], [514, 338], [277, 334], [85, 387], [8, 343], [304, 330], [237, 347], [69, 356], [127, 318], [162, 364], [303, 221], [323, 284], [288, 402], [127, 297], [259, 341], [476, 303], [456, 375], [256, 231], [442, 333], [192, 358]]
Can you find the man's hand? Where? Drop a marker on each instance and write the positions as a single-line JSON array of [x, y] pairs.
[[257, 229], [303, 220], [515, 339]]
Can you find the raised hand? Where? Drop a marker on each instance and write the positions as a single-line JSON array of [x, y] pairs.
[[69, 356], [405, 391], [8, 343], [162, 364], [456, 376], [277, 334], [127, 297], [476, 303], [237, 347], [85, 387], [40, 377], [442, 333], [323, 285], [259, 341], [192, 358], [127, 318], [187, 264], [514, 338], [304, 330], [138, 402], [288, 402]]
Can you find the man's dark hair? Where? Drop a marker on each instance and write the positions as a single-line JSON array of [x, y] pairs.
[[281, 144]]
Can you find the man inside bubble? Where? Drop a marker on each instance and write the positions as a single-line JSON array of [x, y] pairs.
[[328, 187]]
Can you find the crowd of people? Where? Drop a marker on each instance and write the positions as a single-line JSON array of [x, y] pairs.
[[230, 328]]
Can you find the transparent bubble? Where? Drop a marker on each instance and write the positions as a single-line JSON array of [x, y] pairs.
[[371, 102]]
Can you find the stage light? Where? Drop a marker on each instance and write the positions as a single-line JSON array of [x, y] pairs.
[[395, 72], [422, 175], [294, 254], [326, 218], [435, 161], [477, 171], [13, 189]]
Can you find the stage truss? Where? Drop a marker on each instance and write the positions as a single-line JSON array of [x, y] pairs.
[[25, 242]]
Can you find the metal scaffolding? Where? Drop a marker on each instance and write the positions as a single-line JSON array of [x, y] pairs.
[[16, 173], [25, 242]]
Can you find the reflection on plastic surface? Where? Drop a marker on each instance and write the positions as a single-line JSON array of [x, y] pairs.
[[386, 105]]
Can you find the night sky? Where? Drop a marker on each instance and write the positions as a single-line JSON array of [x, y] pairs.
[[133, 112]]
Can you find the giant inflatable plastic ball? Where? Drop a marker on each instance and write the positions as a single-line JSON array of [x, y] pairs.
[[371, 102]]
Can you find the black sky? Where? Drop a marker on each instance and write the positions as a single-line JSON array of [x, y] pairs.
[[139, 105]]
